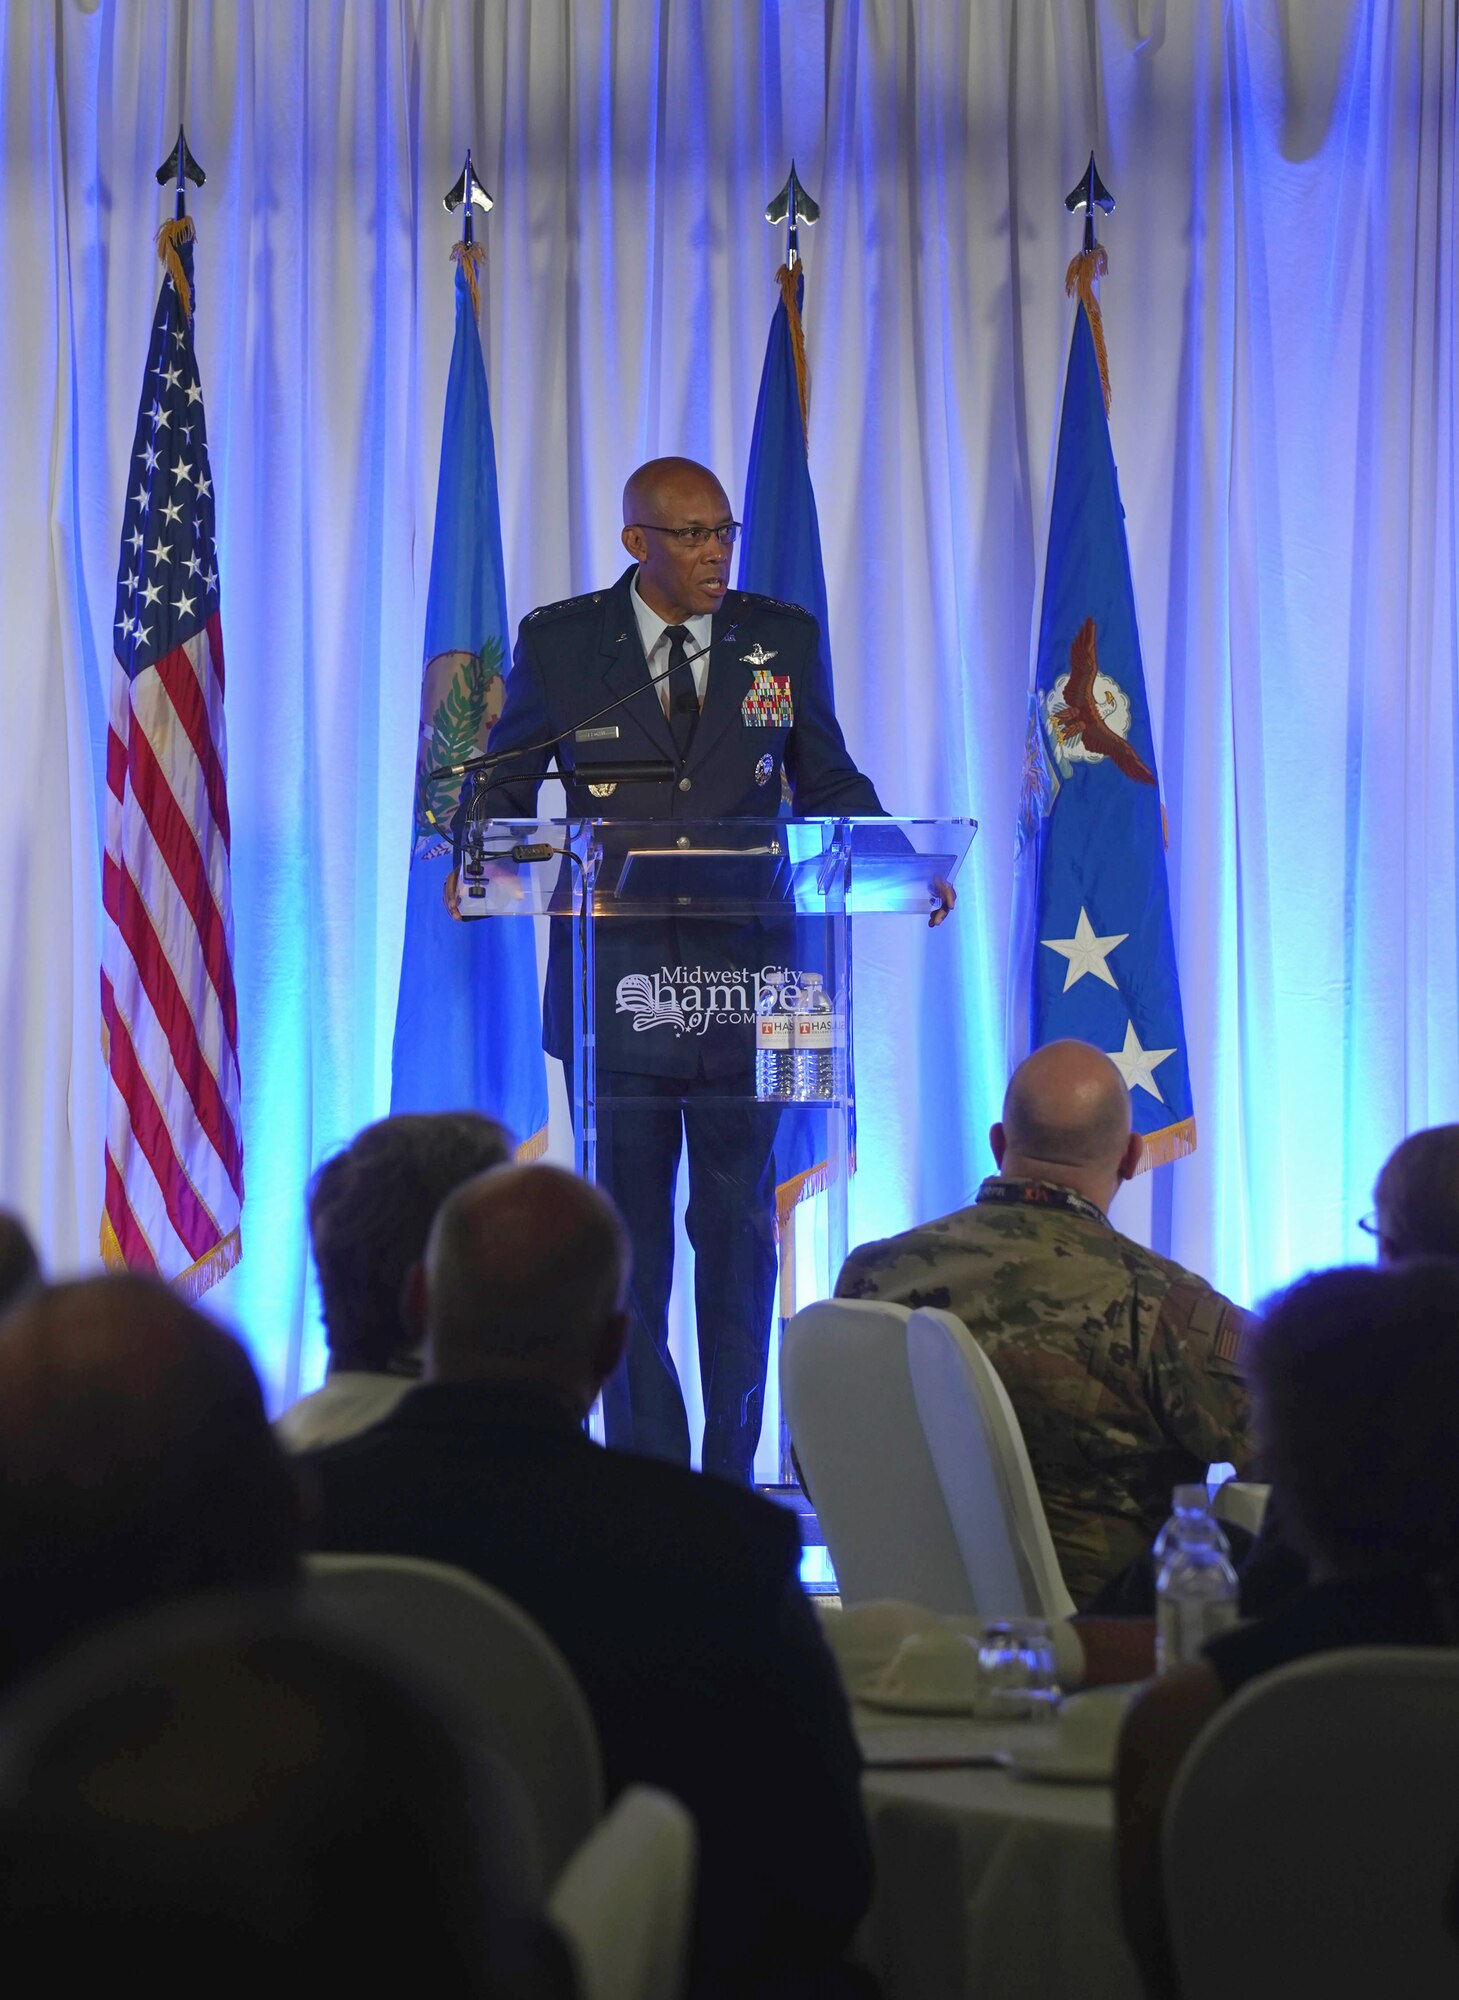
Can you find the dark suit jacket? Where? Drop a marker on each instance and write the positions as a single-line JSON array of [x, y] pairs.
[[676, 1600], [574, 658]]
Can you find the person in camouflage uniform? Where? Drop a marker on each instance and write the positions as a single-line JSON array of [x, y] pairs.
[[1123, 1367]]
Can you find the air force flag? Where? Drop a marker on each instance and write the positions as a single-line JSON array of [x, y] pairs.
[[1092, 823]]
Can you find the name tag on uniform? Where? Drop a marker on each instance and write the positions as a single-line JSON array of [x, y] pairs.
[[608, 734]]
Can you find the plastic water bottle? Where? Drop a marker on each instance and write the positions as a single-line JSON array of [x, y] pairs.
[[815, 1041], [774, 1057], [1195, 1585]]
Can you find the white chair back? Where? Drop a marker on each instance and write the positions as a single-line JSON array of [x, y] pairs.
[[847, 1396], [982, 1466], [494, 1671], [1312, 1834], [625, 1901]]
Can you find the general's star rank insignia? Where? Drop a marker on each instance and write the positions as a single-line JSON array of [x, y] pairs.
[[768, 704], [764, 769]]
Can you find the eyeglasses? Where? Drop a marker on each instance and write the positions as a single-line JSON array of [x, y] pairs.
[[695, 538]]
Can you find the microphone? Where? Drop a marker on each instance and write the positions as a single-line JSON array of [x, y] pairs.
[[489, 758]]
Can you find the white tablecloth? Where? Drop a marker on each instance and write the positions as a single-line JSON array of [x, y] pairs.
[[988, 1884]]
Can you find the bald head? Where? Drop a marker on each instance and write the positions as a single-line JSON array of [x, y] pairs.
[[1066, 1119], [1417, 1196], [525, 1276], [661, 489], [136, 1459]]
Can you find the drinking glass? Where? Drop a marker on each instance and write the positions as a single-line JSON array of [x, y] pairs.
[[1017, 1671]]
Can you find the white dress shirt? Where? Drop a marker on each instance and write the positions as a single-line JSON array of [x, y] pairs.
[[651, 629]]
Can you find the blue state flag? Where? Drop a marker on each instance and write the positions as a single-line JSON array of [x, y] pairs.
[[1104, 967], [468, 1025], [780, 556]]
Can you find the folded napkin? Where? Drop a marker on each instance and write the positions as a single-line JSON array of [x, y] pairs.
[[896, 1655]]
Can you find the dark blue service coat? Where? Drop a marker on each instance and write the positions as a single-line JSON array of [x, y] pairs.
[[767, 709]]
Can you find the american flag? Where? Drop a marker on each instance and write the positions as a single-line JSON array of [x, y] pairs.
[[174, 1152]]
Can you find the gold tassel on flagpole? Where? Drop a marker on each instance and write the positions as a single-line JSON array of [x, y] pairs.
[[786, 279], [471, 257], [170, 239], [1080, 277]]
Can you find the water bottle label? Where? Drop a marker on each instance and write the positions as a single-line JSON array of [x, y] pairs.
[[772, 1031], [815, 1031]]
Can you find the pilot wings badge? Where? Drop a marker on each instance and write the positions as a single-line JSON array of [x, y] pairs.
[[757, 656]]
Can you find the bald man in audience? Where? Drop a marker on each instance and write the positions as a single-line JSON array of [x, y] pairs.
[[136, 1464], [675, 1599], [1123, 1367]]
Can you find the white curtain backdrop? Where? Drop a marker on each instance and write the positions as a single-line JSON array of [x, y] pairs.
[[1280, 310]]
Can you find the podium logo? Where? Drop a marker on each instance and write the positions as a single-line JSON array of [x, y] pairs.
[[688, 998], [652, 1002]]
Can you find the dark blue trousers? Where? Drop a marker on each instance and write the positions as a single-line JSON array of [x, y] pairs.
[[731, 1224]]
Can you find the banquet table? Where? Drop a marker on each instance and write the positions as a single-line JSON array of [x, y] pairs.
[[986, 1883]]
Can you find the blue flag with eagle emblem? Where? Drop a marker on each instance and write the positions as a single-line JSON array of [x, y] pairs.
[[780, 556], [468, 1024], [1092, 823]]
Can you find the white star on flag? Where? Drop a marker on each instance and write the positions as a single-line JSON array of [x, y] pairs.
[[1085, 952], [1136, 1065]]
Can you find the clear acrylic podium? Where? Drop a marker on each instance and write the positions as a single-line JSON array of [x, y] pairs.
[[662, 933]]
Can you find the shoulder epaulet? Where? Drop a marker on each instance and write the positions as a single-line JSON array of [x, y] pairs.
[[752, 600], [564, 606]]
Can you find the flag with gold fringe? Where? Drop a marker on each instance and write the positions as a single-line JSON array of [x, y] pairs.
[[173, 1197], [780, 556], [468, 1023], [1092, 827]]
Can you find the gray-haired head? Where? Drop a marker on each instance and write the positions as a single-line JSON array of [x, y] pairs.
[[19, 1265], [525, 1277], [1417, 1196], [370, 1210]]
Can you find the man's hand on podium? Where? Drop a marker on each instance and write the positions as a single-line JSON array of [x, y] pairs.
[[946, 902]]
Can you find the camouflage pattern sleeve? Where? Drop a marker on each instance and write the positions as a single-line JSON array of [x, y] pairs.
[[900, 1269], [1196, 1380]]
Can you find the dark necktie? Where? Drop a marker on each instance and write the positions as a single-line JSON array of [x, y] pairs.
[[683, 701]]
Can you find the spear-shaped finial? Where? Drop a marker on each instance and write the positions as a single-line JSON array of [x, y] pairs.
[[1089, 193], [181, 167], [468, 193], [792, 206]]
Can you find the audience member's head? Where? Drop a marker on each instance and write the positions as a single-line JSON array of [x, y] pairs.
[[19, 1265], [370, 1211], [1417, 1196], [1356, 1379], [1066, 1119], [525, 1276], [136, 1463], [218, 1797]]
